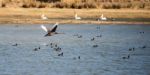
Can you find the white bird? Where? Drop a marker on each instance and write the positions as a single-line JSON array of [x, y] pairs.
[[102, 18], [77, 17], [51, 31], [43, 17]]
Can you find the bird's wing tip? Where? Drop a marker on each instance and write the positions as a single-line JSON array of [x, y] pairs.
[[44, 28], [57, 23]]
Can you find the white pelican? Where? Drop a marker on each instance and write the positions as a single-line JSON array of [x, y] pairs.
[[51, 31], [43, 17], [102, 18], [77, 17]]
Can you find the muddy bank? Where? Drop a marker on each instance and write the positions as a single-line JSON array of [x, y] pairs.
[[69, 21]]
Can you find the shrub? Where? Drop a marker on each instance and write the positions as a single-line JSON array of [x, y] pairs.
[[60, 5], [3, 5], [79, 4], [125, 5], [25, 5], [73, 5], [33, 5], [106, 5], [147, 5], [42, 5], [111, 6], [91, 5], [137, 5], [83, 5], [116, 6]]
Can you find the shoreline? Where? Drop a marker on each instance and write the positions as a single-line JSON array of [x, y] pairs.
[[79, 22], [69, 21], [66, 16]]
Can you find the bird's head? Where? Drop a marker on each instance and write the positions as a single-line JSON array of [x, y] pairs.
[[56, 23]]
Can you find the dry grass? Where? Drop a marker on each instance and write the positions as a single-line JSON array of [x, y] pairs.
[[32, 15], [78, 4], [69, 13]]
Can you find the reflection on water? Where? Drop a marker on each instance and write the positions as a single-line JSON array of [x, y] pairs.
[[108, 54]]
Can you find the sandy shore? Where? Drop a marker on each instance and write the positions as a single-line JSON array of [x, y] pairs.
[[32, 16]]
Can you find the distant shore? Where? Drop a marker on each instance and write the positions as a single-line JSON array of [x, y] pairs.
[[89, 16]]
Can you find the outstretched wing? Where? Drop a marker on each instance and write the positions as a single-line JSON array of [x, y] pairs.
[[44, 28], [54, 27]]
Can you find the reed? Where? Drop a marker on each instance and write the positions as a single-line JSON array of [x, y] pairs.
[[77, 4]]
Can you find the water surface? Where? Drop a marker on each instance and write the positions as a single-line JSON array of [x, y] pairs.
[[106, 59]]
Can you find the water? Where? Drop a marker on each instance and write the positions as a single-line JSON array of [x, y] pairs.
[[106, 59]]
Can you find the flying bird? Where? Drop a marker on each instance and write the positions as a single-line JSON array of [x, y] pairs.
[[51, 31]]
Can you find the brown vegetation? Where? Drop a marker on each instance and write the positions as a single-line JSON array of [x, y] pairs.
[[78, 4]]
